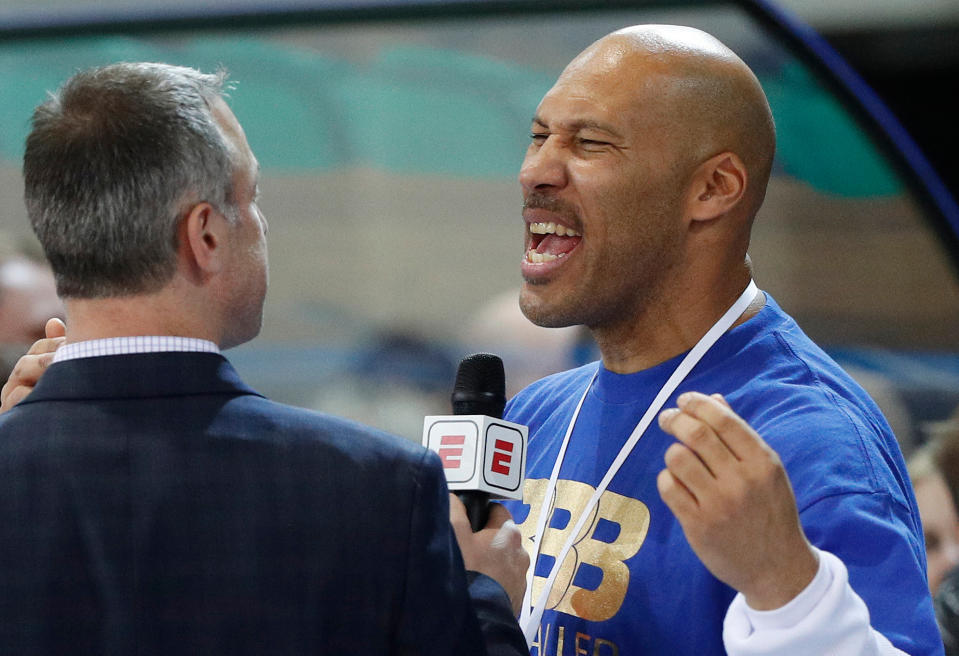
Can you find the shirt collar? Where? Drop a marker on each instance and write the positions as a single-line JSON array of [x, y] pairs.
[[129, 345]]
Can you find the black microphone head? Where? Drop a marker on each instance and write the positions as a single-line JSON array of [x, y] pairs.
[[480, 387]]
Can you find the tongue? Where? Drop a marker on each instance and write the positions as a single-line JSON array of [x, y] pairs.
[[556, 245]]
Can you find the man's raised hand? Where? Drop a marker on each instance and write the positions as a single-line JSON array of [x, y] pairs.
[[732, 497], [31, 366]]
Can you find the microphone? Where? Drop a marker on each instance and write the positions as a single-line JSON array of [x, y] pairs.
[[480, 389], [483, 455]]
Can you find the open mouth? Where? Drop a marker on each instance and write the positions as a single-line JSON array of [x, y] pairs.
[[550, 241]]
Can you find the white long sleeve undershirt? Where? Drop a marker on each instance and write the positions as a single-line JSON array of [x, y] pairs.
[[827, 617]]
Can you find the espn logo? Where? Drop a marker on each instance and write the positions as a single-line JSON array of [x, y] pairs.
[[479, 453], [503, 457]]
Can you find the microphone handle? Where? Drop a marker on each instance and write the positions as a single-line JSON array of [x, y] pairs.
[[477, 508]]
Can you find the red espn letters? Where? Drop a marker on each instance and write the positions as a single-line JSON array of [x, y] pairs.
[[502, 457], [451, 451]]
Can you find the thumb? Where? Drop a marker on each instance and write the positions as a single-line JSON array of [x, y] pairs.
[[55, 328]]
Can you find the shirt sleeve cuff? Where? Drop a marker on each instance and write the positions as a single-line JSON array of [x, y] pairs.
[[827, 617]]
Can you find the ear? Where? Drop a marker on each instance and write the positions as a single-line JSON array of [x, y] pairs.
[[202, 239], [717, 187]]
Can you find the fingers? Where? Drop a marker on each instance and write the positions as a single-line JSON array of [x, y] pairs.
[[506, 548], [699, 437], [498, 515], [721, 399], [458, 516], [675, 495], [689, 470], [456, 506], [29, 368], [714, 444], [56, 334], [13, 397], [47, 345], [496, 551], [26, 373], [55, 328], [717, 418]]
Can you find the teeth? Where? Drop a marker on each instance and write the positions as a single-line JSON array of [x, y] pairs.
[[539, 258], [552, 228]]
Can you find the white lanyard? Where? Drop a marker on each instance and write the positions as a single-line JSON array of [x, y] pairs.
[[531, 616]]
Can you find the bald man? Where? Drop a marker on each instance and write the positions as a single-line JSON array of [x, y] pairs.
[[661, 520]]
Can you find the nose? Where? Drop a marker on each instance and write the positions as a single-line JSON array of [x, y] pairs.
[[544, 166]]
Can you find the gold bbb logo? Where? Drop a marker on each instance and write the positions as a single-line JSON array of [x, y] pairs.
[[632, 516]]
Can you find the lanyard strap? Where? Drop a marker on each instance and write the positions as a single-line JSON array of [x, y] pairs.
[[531, 616]]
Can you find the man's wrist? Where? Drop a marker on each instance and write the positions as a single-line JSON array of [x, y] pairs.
[[799, 606], [787, 585]]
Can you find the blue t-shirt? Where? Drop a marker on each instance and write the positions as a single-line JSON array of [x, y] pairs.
[[632, 585]]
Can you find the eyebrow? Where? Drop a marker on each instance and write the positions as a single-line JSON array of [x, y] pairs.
[[577, 125]]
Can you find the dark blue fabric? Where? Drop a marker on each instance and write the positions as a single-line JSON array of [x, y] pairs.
[[154, 504], [633, 583]]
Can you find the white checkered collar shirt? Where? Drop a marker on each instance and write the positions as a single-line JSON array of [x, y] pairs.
[[129, 345]]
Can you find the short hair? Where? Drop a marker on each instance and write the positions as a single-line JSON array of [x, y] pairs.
[[113, 160]]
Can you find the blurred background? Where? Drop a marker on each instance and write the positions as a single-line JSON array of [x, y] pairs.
[[390, 135]]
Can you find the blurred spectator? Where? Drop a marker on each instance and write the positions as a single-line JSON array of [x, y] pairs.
[[394, 382], [946, 603], [944, 446], [937, 511], [946, 435], [28, 297], [894, 408], [529, 352]]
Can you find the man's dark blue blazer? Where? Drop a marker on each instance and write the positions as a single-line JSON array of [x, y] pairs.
[[155, 504]]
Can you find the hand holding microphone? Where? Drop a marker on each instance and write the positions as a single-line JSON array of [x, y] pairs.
[[483, 455], [496, 550]]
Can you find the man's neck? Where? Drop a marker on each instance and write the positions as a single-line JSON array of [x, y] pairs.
[[132, 316], [663, 331]]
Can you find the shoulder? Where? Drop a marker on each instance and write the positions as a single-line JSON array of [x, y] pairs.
[[786, 378], [825, 427], [295, 427]]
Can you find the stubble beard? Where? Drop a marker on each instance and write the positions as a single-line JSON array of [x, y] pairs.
[[540, 314], [624, 286]]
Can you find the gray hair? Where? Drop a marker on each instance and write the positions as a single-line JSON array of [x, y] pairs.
[[114, 159]]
